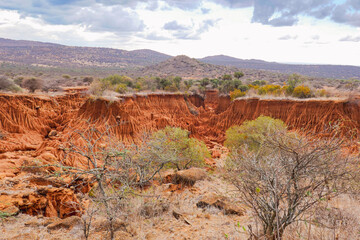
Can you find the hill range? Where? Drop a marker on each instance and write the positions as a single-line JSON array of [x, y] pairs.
[[149, 62]]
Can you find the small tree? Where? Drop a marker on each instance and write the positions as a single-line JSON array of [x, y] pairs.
[[188, 84], [286, 176], [293, 80], [5, 83], [114, 169], [238, 75], [253, 133], [177, 81], [172, 147], [33, 84], [204, 82]]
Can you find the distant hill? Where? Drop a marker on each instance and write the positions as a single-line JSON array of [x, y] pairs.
[[326, 71], [49, 54], [187, 68], [104, 61]]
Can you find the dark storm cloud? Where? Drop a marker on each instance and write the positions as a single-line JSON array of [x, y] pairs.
[[175, 26], [190, 32], [350, 39], [286, 13], [347, 13], [235, 3], [95, 15], [120, 15]]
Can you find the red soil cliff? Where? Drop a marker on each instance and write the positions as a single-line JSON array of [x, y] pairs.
[[34, 127]]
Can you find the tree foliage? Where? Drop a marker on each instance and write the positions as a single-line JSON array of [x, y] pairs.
[[286, 174], [172, 147], [251, 134], [302, 92], [33, 84]]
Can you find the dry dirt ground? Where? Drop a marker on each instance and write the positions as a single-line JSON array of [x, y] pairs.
[[179, 217]]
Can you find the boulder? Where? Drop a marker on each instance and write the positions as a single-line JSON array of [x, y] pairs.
[[220, 202], [189, 176], [11, 211]]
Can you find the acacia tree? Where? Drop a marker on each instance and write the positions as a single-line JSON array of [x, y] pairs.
[[288, 175]]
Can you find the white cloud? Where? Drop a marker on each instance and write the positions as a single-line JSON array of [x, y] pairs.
[[222, 30]]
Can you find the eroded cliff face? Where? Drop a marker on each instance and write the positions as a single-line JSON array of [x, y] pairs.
[[35, 127]]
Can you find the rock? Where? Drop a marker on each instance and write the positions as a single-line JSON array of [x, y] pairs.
[[67, 223], [179, 216], [189, 176], [216, 154], [11, 211], [220, 202], [52, 133]]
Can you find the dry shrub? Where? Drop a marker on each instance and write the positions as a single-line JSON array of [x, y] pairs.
[[33, 84]]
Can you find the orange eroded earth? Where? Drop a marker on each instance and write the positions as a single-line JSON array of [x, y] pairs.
[[34, 127]]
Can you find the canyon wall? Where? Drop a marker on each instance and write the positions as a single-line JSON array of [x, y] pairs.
[[34, 128]]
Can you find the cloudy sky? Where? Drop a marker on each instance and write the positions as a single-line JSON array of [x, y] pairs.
[[292, 31]]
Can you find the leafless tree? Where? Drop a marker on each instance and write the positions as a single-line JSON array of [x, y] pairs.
[[113, 168], [287, 176]]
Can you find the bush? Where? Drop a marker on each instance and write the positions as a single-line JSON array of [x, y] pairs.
[[88, 79], [322, 93], [121, 88], [236, 93], [115, 79], [5, 83], [268, 89], [293, 81], [259, 83], [227, 77], [171, 88], [238, 75], [33, 84], [19, 80], [302, 92], [287, 176], [252, 133], [172, 147]]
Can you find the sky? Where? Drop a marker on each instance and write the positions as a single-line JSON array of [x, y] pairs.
[[287, 31]]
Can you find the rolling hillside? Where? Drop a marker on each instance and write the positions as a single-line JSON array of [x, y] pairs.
[[327, 71]]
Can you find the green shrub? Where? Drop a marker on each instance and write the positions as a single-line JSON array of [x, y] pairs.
[[171, 88], [117, 79], [252, 133], [238, 75], [121, 88], [302, 92], [172, 147], [259, 83]]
